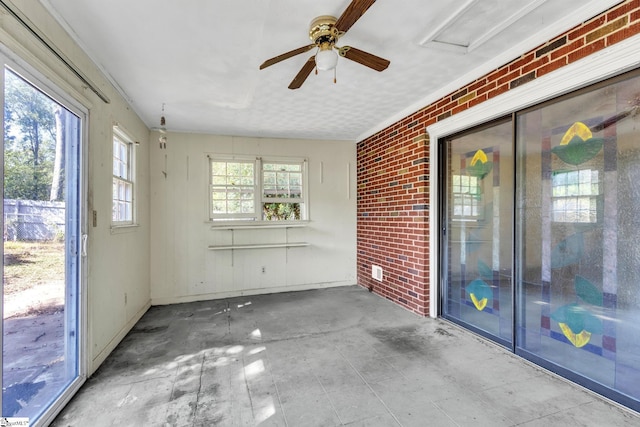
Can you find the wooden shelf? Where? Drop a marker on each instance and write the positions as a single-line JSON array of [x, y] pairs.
[[258, 246], [256, 226]]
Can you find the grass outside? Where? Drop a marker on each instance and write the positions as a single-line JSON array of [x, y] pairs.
[[29, 264]]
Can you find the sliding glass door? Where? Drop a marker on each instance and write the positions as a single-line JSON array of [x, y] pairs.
[[578, 237], [42, 332], [571, 302], [478, 223]]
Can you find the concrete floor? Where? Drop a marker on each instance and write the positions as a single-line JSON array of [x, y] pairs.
[[331, 357]]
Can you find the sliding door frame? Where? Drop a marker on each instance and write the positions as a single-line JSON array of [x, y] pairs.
[[442, 229], [10, 60], [538, 95]]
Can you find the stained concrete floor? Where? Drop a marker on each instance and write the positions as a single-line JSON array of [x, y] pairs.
[[332, 357]]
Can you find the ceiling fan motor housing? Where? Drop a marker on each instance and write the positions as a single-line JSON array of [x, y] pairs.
[[323, 31]]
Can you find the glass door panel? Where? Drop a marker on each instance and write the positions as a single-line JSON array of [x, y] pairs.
[[478, 223], [578, 238], [41, 268]]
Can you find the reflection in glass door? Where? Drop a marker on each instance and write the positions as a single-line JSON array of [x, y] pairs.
[[477, 227], [41, 267], [576, 244], [578, 237]]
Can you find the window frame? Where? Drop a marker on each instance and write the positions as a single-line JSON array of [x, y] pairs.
[[468, 199], [123, 137], [256, 217], [230, 216], [565, 213]]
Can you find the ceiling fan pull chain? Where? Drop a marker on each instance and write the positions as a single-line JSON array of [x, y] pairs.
[[335, 80]]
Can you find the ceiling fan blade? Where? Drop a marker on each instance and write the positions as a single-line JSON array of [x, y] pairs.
[[364, 58], [303, 73], [352, 13], [276, 59]]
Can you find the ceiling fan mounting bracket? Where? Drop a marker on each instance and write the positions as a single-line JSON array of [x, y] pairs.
[[323, 30], [342, 51]]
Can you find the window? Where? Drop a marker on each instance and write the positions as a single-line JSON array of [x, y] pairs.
[[232, 189], [281, 191], [257, 190], [467, 196], [123, 179], [575, 196]]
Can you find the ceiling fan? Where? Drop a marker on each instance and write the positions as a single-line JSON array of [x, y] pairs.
[[324, 32]]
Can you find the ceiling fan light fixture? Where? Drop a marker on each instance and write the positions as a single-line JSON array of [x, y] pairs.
[[326, 59]]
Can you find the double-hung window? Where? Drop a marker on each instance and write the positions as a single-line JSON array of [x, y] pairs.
[[282, 191], [257, 189], [232, 189], [575, 196], [467, 198], [123, 179]]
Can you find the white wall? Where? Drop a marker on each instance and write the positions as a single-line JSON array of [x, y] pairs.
[[117, 263], [172, 210], [184, 269]]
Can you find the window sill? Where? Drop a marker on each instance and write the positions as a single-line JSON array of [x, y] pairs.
[[124, 228], [258, 225]]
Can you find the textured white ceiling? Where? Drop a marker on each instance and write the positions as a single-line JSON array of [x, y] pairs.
[[200, 58]]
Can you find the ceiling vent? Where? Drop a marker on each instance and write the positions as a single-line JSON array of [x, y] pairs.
[[477, 22]]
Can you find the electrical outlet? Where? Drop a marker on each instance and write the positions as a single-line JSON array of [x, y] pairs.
[[95, 218], [125, 298], [264, 270]]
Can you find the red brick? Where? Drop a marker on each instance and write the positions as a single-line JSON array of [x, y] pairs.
[[500, 90], [623, 9], [477, 84], [478, 100], [587, 27], [518, 63], [587, 50], [623, 34], [567, 49], [497, 74], [535, 64]]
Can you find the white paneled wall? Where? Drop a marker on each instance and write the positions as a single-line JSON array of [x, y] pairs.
[[116, 287], [184, 268]]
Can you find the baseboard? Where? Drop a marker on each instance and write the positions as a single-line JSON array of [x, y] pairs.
[[245, 292], [111, 345]]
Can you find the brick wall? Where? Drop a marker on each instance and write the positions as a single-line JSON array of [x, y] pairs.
[[393, 165]]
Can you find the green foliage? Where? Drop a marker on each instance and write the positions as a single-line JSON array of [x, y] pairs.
[[23, 180], [29, 144], [281, 211]]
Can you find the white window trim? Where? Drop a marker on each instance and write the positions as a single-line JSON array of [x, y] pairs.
[[123, 135], [221, 218], [256, 218], [609, 62], [591, 196]]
